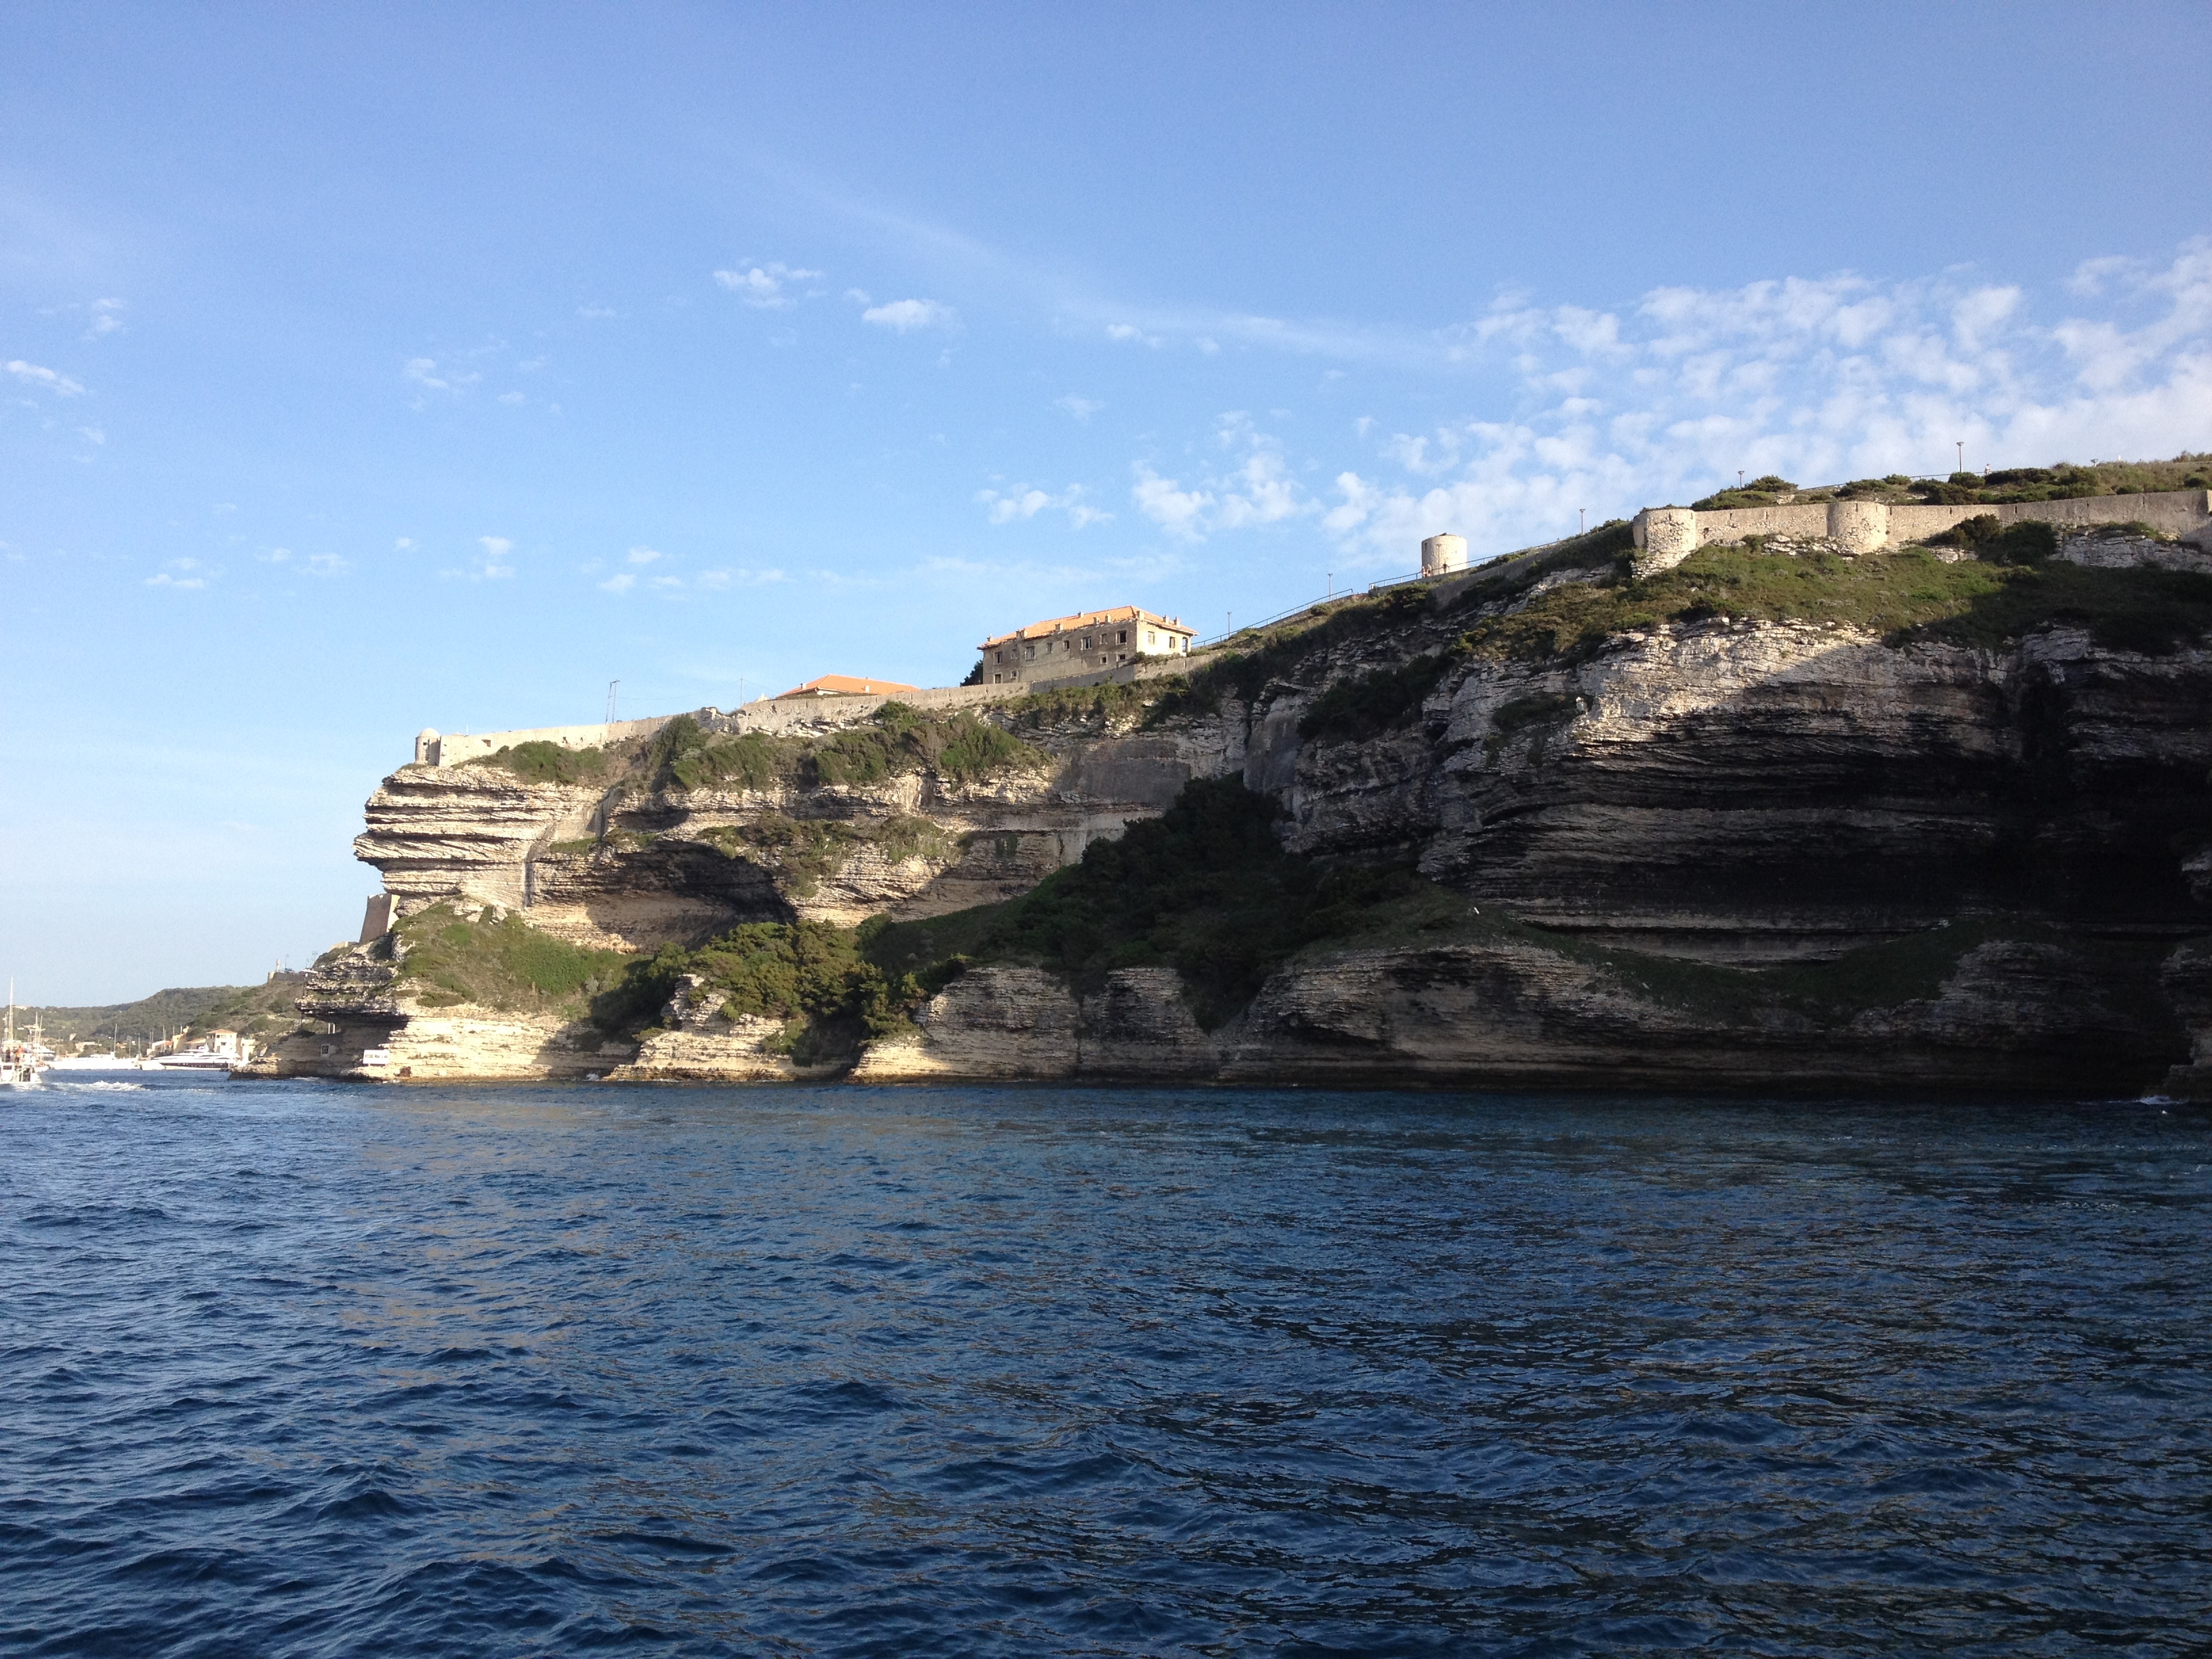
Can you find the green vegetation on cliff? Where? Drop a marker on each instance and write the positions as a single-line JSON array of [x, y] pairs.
[[537, 762], [505, 964], [2064, 482], [1205, 888], [895, 741], [1906, 595], [813, 976]]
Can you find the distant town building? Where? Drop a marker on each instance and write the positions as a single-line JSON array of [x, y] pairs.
[[843, 685], [1085, 643]]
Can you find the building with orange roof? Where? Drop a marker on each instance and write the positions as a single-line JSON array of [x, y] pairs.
[[844, 685], [1085, 643]]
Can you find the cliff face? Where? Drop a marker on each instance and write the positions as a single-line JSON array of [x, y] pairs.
[[1762, 792], [1744, 796], [632, 867]]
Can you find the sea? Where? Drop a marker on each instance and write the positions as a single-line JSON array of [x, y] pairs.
[[293, 1369]]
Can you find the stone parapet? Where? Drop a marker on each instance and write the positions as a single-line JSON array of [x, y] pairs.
[[1665, 536]]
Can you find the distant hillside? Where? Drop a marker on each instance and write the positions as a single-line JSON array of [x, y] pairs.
[[261, 1011]]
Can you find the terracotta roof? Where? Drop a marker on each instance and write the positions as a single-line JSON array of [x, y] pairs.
[[843, 685], [1086, 619]]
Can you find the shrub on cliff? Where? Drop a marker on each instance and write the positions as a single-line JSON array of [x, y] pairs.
[[504, 963], [809, 975], [899, 738], [1368, 704], [538, 761], [1206, 887], [1904, 596], [2028, 542]]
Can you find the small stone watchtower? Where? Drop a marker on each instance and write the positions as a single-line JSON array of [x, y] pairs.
[[426, 747], [1441, 555]]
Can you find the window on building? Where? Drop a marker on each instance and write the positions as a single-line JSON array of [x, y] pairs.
[[1124, 640]]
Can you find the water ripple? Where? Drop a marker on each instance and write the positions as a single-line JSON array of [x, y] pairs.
[[303, 1370]]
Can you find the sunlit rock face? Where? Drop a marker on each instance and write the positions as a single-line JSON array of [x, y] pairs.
[[1694, 789]]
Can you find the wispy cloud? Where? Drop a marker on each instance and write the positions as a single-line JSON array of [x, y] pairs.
[[425, 372], [1081, 408], [1251, 486], [719, 579], [1022, 502], [642, 556], [494, 565], [766, 286], [45, 379], [180, 573], [103, 317], [906, 315], [621, 584]]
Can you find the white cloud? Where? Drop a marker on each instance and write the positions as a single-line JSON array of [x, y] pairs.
[[906, 315], [644, 555], [595, 313], [107, 317], [1081, 408], [403, 544], [763, 285], [719, 579], [1256, 490], [1022, 502], [513, 398], [621, 584], [180, 573], [494, 565], [45, 379], [92, 434], [425, 373], [1178, 511], [326, 564]]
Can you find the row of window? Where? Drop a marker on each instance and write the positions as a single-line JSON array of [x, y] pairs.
[[1154, 641]]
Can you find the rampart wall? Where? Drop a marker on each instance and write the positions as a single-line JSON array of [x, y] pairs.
[[1668, 535]]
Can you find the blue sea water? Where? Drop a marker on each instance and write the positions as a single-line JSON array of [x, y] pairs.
[[310, 1370]]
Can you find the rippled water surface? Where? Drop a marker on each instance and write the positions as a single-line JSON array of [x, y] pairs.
[[303, 1370]]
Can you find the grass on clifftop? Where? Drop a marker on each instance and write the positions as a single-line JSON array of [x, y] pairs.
[[894, 740], [505, 964], [1904, 596], [537, 762]]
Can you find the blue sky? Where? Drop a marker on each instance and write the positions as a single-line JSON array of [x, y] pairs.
[[363, 368]]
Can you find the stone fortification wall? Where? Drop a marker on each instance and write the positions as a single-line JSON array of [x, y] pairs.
[[771, 714], [1668, 535], [455, 747]]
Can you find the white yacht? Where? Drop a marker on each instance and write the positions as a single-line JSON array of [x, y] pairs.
[[21, 1064]]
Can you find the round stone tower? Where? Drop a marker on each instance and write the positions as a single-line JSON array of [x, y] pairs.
[[426, 747], [1441, 555]]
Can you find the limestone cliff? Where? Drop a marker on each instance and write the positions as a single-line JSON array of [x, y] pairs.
[[1655, 799]]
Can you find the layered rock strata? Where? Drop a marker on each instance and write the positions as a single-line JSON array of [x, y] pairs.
[[1705, 789]]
